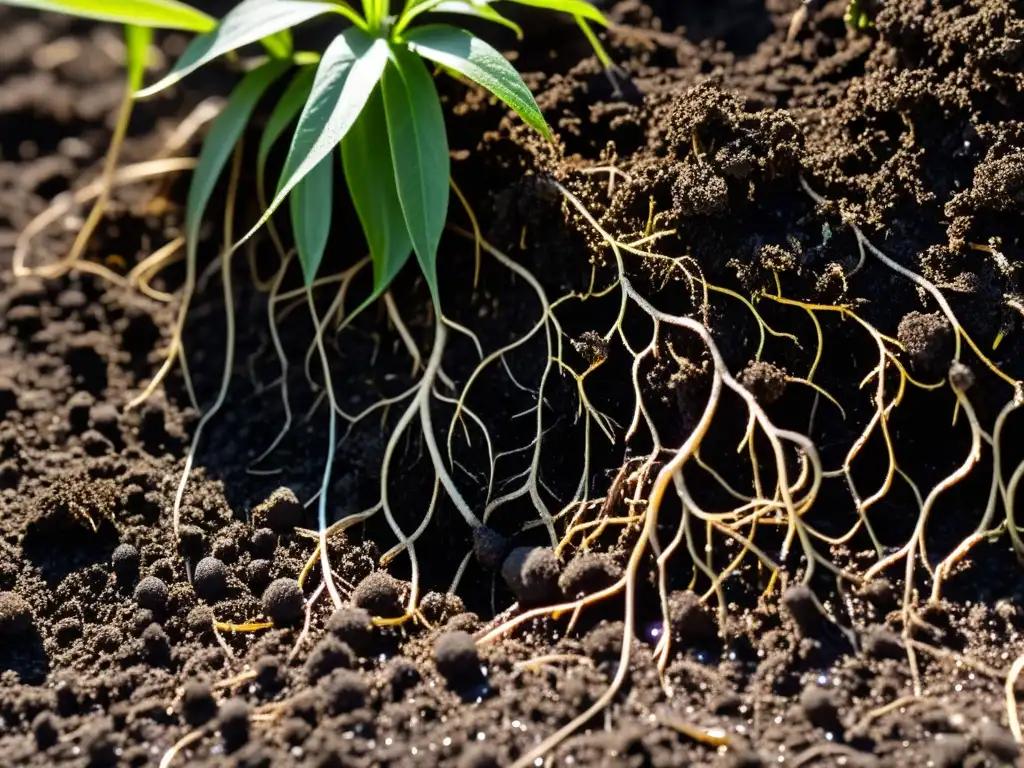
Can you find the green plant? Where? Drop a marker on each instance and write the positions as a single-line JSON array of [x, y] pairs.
[[370, 96], [370, 82]]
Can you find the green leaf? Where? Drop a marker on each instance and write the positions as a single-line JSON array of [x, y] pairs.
[[580, 8], [311, 204], [595, 43], [247, 22], [287, 107], [419, 151], [480, 10], [162, 14], [220, 143], [470, 56], [137, 40], [370, 174], [279, 45], [375, 11], [345, 77]]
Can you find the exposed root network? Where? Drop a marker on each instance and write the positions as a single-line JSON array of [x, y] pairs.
[[781, 477]]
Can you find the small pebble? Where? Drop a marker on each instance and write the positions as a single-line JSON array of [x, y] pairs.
[[438, 607], [269, 675], [328, 655], [233, 720], [532, 574], [380, 594], [490, 547], [197, 703], [200, 620], [354, 627], [210, 580], [151, 593], [264, 543], [284, 602], [456, 658], [282, 512], [588, 573], [257, 575], [465, 622], [342, 691], [125, 561]]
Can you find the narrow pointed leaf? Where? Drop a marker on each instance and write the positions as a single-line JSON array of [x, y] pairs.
[[137, 40], [595, 43], [345, 77], [479, 10], [248, 22], [369, 172], [419, 150], [162, 14], [220, 143], [580, 8], [312, 211], [285, 111], [470, 56]]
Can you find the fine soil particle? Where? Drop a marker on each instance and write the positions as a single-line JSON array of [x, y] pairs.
[[129, 622], [15, 614]]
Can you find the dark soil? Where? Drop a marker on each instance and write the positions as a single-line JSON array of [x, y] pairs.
[[108, 654]]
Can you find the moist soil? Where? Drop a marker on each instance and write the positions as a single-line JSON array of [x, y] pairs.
[[108, 655]]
